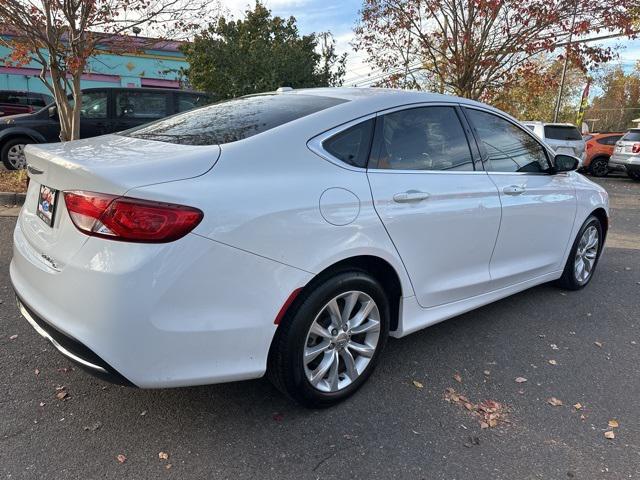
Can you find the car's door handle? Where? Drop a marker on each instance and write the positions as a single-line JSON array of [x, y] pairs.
[[514, 189], [410, 196]]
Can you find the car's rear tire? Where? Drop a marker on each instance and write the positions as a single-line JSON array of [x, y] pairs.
[[329, 342], [12, 154], [584, 255], [599, 167]]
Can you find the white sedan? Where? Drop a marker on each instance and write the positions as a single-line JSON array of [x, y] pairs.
[[290, 234]]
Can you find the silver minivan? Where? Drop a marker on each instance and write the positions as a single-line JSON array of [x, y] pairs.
[[626, 155], [562, 137]]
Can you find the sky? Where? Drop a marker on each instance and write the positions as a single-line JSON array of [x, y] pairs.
[[340, 16]]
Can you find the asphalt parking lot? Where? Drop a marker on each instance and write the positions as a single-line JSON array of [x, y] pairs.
[[576, 347]]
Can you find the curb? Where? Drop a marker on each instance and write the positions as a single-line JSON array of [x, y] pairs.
[[12, 198]]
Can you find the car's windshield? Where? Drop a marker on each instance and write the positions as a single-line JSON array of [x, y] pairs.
[[561, 132], [631, 136], [232, 120]]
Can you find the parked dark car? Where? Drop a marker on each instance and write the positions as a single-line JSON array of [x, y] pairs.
[[104, 110], [16, 102]]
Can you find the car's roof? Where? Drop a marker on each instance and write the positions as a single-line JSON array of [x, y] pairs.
[[363, 94], [377, 99], [140, 89], [545, 124]]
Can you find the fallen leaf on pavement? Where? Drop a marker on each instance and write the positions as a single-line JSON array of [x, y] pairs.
[[121, 458], [553, 362], [278, 417], [598, 344], [13, 337], [457, 378], [613, 424], [487, 372], [168, 466], [554, 346], [36, 371], [61, 393], [577, 406], [554, 402], [520, 379], [489, 412], [163, 456], [417, 384], [610, 435]]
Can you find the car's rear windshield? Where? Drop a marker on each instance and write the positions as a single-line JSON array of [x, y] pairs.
[[232, 120], [560, 132], [631, 136]]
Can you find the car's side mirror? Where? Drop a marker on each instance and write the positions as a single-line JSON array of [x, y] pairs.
[[565, 163], [53, 111]]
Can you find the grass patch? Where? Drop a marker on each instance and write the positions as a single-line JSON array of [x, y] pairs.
[[13, 181]]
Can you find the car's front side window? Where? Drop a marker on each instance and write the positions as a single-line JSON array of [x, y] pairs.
[[423, 138], [506, 147]]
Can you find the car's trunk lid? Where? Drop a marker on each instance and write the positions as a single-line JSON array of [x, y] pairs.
[[111, 164]]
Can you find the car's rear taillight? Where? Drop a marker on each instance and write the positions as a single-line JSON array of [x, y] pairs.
[[635, 148], [130, 219]]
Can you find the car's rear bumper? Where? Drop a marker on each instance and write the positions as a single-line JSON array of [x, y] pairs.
[[190, 312], [71, 348]]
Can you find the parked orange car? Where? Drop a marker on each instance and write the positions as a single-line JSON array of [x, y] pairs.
[[599, 148]]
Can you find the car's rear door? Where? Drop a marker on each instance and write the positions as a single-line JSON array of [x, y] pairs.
[[94, 113], [538, 207], [441, 214]]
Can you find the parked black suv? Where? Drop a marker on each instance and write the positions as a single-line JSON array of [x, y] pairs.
[[104, 110]]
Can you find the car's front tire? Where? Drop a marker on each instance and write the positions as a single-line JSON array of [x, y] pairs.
[[12, 153], [584, 255], [328, 344]]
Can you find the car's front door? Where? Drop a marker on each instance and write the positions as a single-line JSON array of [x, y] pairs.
[[441, 214], [538, 207]]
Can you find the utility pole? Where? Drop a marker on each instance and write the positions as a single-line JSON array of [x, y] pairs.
[[566, 62]]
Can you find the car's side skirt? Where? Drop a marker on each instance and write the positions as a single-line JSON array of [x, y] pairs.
[[413, 317]]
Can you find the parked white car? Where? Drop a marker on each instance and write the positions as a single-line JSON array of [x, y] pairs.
[[561, 137], [626, 154], [291, 233]]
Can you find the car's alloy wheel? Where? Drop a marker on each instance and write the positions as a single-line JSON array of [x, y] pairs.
[[12, 153], [586, 254], [330, 339], [599, 167], [341, 341]]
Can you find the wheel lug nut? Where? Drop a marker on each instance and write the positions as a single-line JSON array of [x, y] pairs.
[[344, 327], [334, 332]]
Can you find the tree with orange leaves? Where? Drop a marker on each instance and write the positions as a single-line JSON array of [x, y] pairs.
[[62, 35], [473, 48]]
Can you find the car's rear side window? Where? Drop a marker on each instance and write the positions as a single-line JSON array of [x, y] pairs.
[[232, 120], [631, 136], [560, 132], [352, 145]]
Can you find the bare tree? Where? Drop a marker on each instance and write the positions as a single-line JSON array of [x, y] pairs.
[[474, 47], [62, 35]]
